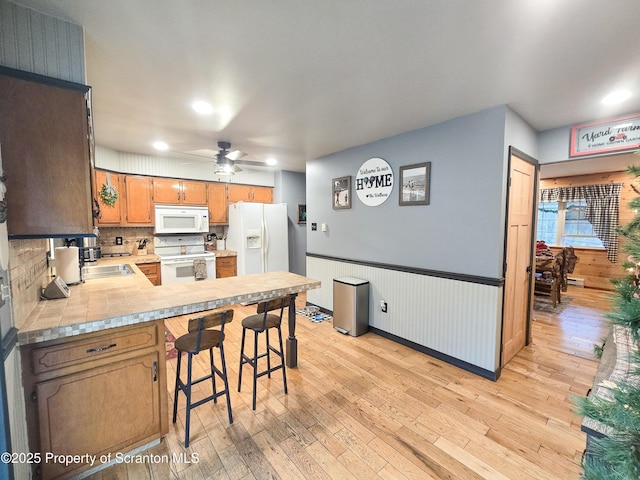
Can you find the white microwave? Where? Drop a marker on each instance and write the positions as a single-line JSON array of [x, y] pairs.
[[181, 219]]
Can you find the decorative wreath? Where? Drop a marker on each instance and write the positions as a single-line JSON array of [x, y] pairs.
[[108, 194]]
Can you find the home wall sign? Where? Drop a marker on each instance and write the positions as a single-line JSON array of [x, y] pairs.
[[374, 182], [613, 135]]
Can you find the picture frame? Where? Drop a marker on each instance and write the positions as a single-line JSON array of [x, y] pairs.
[[302, 213], [341, 192], [414, 184]]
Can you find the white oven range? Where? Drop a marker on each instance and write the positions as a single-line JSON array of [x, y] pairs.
[[179, 255]]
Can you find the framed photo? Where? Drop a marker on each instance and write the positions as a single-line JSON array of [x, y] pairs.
[[341, 188], [302, 213], [414, 184]]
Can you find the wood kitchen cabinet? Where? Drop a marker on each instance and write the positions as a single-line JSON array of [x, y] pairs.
[[226, 267], [109, 215], [138, 204], [249, 193], [44, 133], [152, 272], [179, 192], [218, 206], [98, 393]]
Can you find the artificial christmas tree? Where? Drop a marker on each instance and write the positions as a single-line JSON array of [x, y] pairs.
[[617, 404]]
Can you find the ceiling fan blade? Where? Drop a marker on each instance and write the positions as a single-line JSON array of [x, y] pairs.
[[235, 155], [204, 158]]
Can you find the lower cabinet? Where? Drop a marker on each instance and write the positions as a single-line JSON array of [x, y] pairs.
[[152, 271], [96, 394], [226, 267]]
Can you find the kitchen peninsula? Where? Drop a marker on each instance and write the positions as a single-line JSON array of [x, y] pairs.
[[94, 363]]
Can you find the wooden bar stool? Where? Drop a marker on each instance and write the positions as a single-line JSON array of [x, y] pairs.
[[201, 338], [261, 322]]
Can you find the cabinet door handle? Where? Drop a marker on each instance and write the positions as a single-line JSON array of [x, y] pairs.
[[101, 349], [155, 371]]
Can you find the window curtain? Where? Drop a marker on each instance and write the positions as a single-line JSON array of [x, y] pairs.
[[603, 207]]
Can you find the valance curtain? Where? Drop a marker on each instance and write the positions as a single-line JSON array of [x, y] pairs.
[[603, 207]]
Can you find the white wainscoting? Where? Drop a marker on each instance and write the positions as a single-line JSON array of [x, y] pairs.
[[456, 318], [127, 162], [41, 44]]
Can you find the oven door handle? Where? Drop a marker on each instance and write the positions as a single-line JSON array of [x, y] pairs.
[[176, 262]]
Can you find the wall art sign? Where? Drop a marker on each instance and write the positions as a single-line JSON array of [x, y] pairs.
[[341, 188], [374, 182], [414, 184], [613, 135]]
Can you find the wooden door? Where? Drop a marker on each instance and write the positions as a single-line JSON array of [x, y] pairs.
[[139, 208], [262, 195], [519, 254], [194, 193], [218, 207], [238, 193], [167, 190], [99, 411], [109, 214]]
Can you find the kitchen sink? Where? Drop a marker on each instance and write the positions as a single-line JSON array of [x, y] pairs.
[[106, 271]]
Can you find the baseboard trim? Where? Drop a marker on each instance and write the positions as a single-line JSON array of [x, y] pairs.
[[488, 374]]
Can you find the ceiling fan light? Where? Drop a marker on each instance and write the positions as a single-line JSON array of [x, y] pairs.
[[224, 170]]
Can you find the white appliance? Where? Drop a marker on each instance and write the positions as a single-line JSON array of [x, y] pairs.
[[181, 219], [258, 232], [180, 256]]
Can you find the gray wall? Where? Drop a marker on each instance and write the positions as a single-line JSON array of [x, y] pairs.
[[290, 189], [460, 231]]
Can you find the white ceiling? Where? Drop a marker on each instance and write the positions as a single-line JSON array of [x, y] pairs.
[[300, 79]]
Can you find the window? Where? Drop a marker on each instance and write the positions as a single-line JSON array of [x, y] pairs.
[[563, 224]]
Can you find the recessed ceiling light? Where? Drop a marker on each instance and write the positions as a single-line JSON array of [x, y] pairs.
[[271, 161], [618, 96], [159, 145], [202, 107]]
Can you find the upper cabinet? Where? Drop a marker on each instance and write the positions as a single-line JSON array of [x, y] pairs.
[[137, 195], [108, 211], [249, 193], [218, 203], [45, 145], [138, 205], [179, 192]]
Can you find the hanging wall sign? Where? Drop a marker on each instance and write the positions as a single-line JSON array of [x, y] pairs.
[[614, 135], [374, 182]]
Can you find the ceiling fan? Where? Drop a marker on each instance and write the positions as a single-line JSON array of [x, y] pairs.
[[224, 160]]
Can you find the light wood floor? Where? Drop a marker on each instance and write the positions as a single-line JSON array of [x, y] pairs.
[[366, 408]]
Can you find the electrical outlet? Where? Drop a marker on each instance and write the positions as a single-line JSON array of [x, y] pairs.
[[314, 227], [383, 306], [118, 240]]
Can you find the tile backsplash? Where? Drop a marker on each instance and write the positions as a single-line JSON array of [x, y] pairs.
[[29, 274], [130, 237]]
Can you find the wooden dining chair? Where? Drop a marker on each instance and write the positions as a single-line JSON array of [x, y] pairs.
[[202, 336]]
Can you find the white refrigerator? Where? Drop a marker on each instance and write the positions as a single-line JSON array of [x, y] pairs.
[[259, 233]]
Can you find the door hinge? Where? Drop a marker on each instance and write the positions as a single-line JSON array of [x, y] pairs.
[[34, 396]]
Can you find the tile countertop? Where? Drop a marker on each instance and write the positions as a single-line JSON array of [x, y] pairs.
[[105, 303]]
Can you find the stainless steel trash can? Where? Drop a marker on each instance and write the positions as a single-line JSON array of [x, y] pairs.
[[351, 305]]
